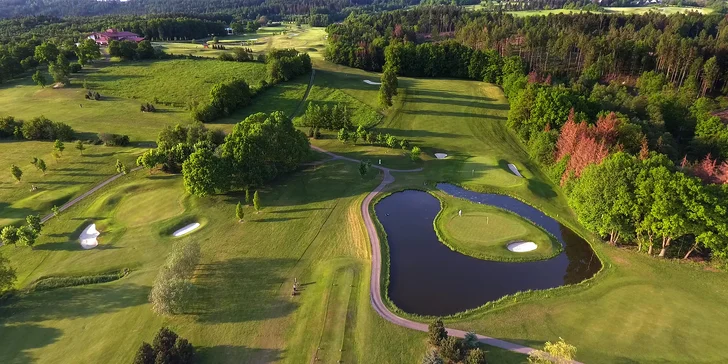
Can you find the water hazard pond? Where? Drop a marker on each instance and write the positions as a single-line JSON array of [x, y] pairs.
[[428, 278]]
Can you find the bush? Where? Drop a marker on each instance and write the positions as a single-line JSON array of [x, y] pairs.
[[167, 348], [41, 128], [114, 140], [76, 68], [7, 126], [48, 283]]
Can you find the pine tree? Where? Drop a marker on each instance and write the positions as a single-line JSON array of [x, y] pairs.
[[437, 332], [256, 202], [239, 212], [16, 172]]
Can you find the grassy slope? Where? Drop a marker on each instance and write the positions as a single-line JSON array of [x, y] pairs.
[[667, 10], [485, 231]]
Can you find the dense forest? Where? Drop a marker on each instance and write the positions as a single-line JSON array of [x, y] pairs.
[[246, 9]]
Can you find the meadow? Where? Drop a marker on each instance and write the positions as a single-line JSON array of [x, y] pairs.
[[638, 308], [667, 10]]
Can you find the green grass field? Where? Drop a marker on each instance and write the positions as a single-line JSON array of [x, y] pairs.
[[485, 231], [638, 309], [171, 82]]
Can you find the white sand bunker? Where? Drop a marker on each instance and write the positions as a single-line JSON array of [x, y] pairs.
[[372, 82], [187, 229], [440, 155], [522, 246], [513, 169], [88, 237]]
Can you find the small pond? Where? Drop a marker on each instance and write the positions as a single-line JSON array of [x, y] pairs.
[[428, 278]]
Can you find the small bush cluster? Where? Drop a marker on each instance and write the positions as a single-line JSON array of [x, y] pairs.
[[172, 285], [39, 128], [148, 108], [167, 348], [240, 55], [114, 140], [92, 95], [444, 348], [48, 283], [218, 46]]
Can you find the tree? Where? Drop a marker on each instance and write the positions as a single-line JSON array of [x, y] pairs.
[[150, 159], [559, 352], [388, 88], [46, 52], [710, 74], [16, 172], [7, 274], [55, 210], [415, 153], [87, 50], [80, 146], [203, 173], [9, 235], [247, 196], [34, 223], [343, 135], [470, 341], [41, 165], [58, 146], [363, 169], [432, 357], [437, 332], [256, 202], [27, 236], [60, 69], [239, 212], [451, 349], [40, 79], [475, 356], [145, 354]]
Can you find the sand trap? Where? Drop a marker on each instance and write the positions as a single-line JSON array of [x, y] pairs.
[[372, 82], [440, 155], [88, 237], [187, 229], [514, 170], [522, 246]]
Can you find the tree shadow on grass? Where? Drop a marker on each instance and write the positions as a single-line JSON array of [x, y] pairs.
[[241, 289], [275, 219], [241, 354], [540, 188], [18, 339], [72, 302]]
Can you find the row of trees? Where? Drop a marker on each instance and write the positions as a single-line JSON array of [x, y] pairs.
[[171, 289], [129, 50], [321, 116], [259, 149], [451, 349], [39, 128]]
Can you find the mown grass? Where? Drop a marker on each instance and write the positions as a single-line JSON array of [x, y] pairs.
[[485, 231], [667, 10]]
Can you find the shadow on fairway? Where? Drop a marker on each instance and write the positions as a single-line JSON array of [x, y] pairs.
[[541, 189], [72, 302], [241, 354], [241, 289], [17, 339]]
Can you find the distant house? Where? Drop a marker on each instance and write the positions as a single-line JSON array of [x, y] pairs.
[[103, 38], [229, 31]]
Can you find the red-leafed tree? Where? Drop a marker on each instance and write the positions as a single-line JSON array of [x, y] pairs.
[[607, 128], [722, 174], [645, 149], [588, 151], [706, 169], [533, 77]]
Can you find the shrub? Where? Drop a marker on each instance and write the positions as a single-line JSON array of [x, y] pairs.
[[167, 348], [48, 283], [7, 126], [76, 68], [114, 140]]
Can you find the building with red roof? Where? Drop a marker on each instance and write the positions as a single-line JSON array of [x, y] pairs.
[[103, 38]]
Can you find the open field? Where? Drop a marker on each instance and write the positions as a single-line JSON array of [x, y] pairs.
[[485, 231], [175, 82], [303, 38]]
